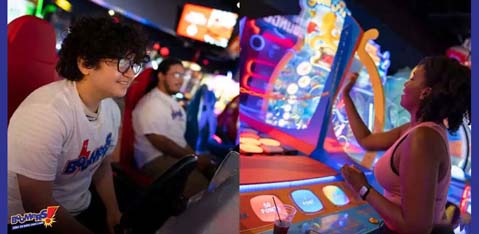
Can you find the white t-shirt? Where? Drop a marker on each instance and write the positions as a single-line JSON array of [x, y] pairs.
[[157, 113], [51, 139]]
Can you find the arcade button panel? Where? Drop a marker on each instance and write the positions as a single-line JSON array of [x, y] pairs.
[[321, 208]]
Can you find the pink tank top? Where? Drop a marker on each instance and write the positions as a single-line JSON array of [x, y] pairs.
[[389, 180]]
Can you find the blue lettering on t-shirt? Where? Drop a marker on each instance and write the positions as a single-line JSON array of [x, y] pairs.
[[176, 114], [85, 159]]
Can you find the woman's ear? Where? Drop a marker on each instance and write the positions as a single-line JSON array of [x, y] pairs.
[[84, 69], [425, 92]]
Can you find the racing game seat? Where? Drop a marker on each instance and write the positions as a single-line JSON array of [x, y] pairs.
[[31, 58]]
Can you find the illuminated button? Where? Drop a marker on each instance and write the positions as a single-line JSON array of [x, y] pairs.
[[335, 195], [249, 135], [269, 141], [251, 149], [249, 141], [307, 201], [263, 207], [373, 220]]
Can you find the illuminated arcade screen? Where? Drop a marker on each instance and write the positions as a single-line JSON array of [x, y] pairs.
[[294, 55], [291, 67], [206, 24]]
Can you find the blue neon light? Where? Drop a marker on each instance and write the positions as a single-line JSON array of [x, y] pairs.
[[259, 38], [280, 185]]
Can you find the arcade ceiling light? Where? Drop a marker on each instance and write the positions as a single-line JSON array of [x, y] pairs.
[[64, 4]]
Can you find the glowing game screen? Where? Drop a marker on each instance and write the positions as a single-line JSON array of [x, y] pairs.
[[298, 52], [291, 67], [206, 24]]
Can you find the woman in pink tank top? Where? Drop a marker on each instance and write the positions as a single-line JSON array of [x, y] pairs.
[[415, 171]]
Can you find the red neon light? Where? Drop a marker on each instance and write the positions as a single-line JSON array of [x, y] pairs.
[[217, 139], [250, 63], [248, 74], [255, 28], [466, 195]]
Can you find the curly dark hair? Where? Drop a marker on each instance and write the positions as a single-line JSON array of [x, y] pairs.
[[98, 38], [450, 96], [163, 67]]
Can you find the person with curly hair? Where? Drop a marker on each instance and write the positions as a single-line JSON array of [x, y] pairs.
[[61, 136], [415, 171]]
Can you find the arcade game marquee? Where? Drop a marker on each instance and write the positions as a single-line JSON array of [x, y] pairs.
[[295, 136]]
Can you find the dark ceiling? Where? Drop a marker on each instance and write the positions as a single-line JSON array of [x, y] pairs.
[[431, 26], [163, 18], [409, 29]]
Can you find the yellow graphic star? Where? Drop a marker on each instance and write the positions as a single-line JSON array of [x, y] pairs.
[[48, 222]]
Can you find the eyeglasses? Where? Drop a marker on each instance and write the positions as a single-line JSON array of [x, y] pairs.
[[125, 64], [178, 75]]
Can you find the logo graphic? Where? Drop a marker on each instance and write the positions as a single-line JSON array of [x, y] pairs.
[[176, 114], [86, 157], [45, 217]]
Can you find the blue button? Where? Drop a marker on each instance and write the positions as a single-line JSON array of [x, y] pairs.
[[307, 201]]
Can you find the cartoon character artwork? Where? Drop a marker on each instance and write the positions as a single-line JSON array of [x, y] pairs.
[[323, 37]]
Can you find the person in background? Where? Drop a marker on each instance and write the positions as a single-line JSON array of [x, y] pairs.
[[415, 171], [159, 123], [61, 135]]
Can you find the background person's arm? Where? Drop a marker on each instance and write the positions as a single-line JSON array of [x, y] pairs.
[[168, 147]]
